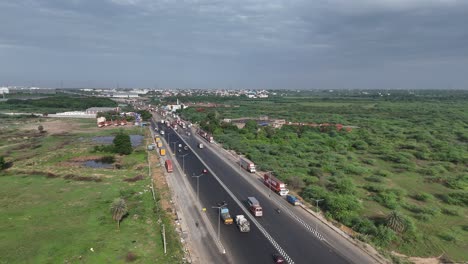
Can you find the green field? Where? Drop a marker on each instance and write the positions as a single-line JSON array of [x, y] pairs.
[[55, 211], [406, 152]]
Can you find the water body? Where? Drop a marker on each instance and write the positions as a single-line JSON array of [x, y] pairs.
[[97, 164], [136, 140]]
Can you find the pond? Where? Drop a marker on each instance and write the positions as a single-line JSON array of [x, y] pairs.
[[98, 164], [136, 140]]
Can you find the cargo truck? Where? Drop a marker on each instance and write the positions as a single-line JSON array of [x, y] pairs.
[[243, 223], [292, 199], [226, 216], [275, 185], [247, 165], [168, 164], [162, 152], [254, 206]]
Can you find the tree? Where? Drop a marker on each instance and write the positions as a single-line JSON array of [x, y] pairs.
[[122, 144], [40, 128], [396, 221], [296, 182], [119, 210]]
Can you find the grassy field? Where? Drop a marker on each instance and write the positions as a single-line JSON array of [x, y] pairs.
[[57, 211], [406, 153]]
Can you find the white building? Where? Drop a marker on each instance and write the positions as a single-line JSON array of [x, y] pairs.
[[4, 90]]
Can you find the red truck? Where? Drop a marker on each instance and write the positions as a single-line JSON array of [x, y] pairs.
[[168, 165], [247, 165], [274, 184], [207, 136]]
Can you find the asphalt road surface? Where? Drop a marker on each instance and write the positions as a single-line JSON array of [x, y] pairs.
[[286, 235]]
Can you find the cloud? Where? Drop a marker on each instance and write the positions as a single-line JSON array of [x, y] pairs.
[[261, 38]]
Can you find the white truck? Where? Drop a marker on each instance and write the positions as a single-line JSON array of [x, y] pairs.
[[243, 223]]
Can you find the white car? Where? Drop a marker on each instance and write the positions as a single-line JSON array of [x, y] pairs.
[[200, 145]]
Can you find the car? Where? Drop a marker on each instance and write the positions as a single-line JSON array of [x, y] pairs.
[[278, 258], [200, 145]]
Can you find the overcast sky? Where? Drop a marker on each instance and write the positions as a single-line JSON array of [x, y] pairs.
[[295, 44]]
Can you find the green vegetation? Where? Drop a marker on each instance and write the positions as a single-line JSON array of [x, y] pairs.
[[406, 152], [122, 143], [56, 210], [119, 209], [55, 103]]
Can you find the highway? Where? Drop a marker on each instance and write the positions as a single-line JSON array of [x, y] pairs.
[[285, 234]]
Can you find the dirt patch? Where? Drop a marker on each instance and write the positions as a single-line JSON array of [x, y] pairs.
[[85, 158], [134, 179], [416, 260], [74, 177], [57, 126]]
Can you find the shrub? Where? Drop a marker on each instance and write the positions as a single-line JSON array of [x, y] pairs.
[[344, 186], [384, 236], [460, 182], [455, 198], [342, 207], [422, 196], [364, 226], [2, 163], [387, 199], [450, 211], [373, 179]]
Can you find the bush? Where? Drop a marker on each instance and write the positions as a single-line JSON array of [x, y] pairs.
[[2, 163], [387, 199], [342, 207], [374, 179], [364, 226], [422, 196], [455, 198], [384, 236], [450, 211], [344, 186]]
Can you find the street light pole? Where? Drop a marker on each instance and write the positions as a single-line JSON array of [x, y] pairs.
[[269, 182], [173, 153], [219, 214], [183, 161], [316, 202], [198, 178]]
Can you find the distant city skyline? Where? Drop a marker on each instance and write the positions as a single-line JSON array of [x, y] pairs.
[[244, 44]]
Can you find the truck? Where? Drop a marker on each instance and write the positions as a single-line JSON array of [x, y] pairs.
[[275, 185], [207, 136], [242, 223], [162, 152], [247, 165], [168, 165], [226, 216], [292, 199], [254, 206]]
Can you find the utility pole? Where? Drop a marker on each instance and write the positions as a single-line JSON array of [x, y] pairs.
[[219, 215]]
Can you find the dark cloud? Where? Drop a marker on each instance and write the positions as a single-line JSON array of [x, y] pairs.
[[244, 43]]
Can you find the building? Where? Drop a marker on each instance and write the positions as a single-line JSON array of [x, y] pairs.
[[4, 90], [95, 110]]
